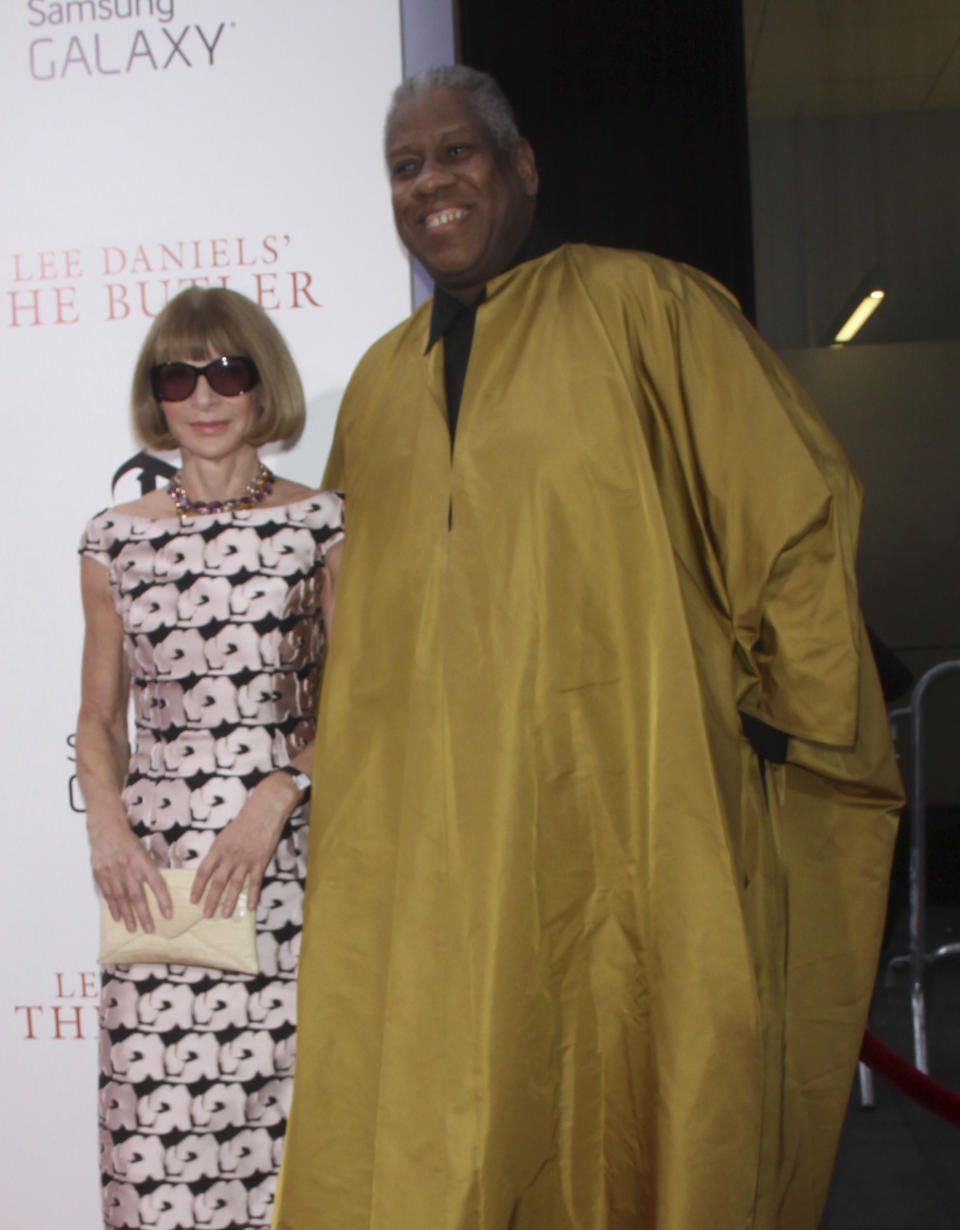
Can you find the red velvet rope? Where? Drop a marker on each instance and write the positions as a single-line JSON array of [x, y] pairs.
[[918, 1087]]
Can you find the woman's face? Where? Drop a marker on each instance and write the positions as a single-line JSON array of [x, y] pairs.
[[208, 424]]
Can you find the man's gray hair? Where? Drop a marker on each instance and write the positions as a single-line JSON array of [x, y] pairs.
[[482, 91]]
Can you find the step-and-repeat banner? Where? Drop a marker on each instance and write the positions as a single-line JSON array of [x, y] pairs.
[[146, 145]]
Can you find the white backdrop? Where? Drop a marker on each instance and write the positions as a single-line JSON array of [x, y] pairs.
[[144, 143]]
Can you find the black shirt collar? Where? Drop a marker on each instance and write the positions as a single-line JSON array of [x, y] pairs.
[[447, 310]]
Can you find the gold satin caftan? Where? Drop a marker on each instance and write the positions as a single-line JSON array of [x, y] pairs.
[[570, 961]]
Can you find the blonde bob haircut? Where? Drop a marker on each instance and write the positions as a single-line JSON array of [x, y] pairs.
[[204, 320]]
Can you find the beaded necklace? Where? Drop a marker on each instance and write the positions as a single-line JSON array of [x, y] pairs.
[[255, 492]]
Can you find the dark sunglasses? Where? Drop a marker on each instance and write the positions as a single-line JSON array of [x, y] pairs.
[[229, 376]]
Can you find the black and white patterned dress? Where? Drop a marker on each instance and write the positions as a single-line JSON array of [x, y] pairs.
[[223, 637]]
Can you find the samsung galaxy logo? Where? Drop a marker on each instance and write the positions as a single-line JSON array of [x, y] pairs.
[[95, 56], [75, 12], [91, 38]]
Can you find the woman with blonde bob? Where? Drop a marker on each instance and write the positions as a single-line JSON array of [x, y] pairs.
[[207, 602], [198, 322]]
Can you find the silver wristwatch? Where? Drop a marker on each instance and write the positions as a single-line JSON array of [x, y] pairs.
[[300, 779]]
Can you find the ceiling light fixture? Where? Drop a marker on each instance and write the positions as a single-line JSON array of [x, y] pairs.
[[859, 316]]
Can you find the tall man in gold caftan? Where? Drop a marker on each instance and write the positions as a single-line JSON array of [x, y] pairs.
[[580, 953]]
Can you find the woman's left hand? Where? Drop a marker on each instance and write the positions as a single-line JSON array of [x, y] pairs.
[[243, 848]]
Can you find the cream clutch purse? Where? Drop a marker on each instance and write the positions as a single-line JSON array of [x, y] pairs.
[[188, 938]]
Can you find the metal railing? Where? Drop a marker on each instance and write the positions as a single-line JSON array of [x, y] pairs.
[[918, 959]]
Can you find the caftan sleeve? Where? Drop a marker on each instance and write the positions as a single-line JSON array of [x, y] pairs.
[[776, 506]]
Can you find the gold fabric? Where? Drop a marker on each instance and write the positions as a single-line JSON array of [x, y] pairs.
[[566, 964]]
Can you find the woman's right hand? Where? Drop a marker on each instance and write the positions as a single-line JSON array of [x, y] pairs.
[[121, 868]]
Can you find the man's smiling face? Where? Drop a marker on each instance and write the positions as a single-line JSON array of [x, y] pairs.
[[461, 204]]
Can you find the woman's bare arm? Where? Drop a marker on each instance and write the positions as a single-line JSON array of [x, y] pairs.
[[120, 864]]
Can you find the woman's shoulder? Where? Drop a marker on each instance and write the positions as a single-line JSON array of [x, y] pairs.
[[113, 524], [321, 508], [99, 538], [286, 491], [154, 505]]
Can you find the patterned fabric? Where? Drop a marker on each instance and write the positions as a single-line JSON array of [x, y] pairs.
[[223, 639]]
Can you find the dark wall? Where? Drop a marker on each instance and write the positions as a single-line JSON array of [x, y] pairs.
[[840, 195], [637, 113]]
